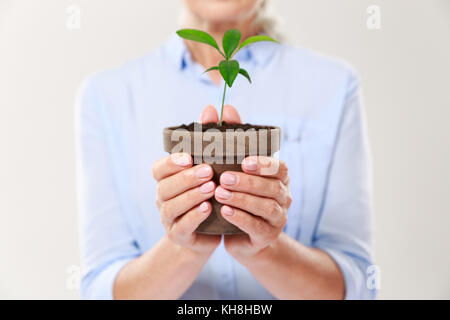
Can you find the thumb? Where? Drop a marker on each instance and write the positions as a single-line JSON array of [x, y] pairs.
[[230, 114], [209, 114]]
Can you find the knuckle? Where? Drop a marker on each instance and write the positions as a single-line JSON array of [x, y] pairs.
[[162, 208], [165, 213], [158, 203], [154, 171], [277, 187], [284, 172], [158, 191], [163, 221], [273, 208], [289, 200], [284, 166]]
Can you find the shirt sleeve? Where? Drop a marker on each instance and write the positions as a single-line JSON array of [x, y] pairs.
[[106, 242], [344, 226]]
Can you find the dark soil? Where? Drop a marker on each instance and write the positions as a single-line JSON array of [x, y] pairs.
[[223, 127]]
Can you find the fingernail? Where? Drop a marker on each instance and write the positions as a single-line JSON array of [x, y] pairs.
[[228, 211], [250, 164], [181, 159], [228, 178], [207, 187], [203, 172], [223, 193], [203, 207]]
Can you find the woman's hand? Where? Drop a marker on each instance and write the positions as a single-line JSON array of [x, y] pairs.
[[256, 201], [182, 194], [183, 191]]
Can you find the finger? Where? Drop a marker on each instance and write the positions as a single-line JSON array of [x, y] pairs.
[[184, 226], [184, 202], [171, 164], [256, 185], [266, 166], [260, 231], [209, 115], [230, 114], [267, 209], [180, 182]]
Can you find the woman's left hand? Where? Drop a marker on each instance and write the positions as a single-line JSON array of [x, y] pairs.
[[256, 201]]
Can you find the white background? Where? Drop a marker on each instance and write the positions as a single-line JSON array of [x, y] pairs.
[[405, 70]]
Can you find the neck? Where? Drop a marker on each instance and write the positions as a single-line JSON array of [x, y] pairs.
[[206, 55]]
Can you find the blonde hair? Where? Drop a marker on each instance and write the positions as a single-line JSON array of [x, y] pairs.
[[268, 21]]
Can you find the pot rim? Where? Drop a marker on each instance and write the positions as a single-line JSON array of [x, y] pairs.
[[240, 147]]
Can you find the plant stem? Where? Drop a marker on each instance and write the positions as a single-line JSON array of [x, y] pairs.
[[223, 101]]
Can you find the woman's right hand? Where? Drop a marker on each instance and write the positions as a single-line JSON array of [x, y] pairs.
[[181, 197]]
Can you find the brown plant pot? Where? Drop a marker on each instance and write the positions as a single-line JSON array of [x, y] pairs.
[[202, 143]]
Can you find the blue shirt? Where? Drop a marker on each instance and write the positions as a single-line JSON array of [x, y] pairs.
[[120, 115]]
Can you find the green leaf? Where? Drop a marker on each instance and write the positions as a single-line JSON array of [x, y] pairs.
[[245, 74], [255, 39], [229, 71], [211, 69], [230, 41], [199, 36]]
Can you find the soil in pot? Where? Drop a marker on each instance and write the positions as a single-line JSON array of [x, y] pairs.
[[223, 147]]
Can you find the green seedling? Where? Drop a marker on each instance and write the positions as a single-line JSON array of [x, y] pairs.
[[228, 68]]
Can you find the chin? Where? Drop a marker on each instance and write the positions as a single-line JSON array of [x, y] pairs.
[[223, 10]]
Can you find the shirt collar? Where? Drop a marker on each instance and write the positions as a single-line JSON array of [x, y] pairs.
[[257, 53]]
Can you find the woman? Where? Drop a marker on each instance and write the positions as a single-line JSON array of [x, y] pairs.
[[321, 251]]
